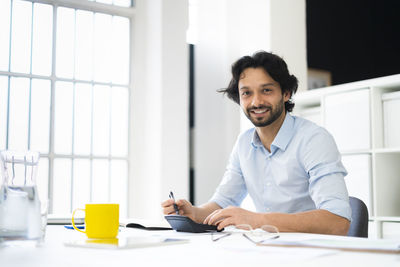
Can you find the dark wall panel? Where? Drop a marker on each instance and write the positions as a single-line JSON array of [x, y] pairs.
[[355, 40]]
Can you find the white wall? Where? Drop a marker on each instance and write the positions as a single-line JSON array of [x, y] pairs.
[[215, 118], [159, 106], [288, 36], [227, 30]]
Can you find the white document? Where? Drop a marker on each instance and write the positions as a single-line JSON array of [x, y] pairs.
[[349, 244], [126, 242]]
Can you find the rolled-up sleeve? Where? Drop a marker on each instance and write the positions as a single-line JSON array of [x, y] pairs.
[[322, 161], [232, 189]]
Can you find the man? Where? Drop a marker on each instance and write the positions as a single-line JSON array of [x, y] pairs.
[[289, 166]]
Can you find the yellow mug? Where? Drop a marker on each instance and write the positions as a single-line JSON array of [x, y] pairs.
[[101, 220]]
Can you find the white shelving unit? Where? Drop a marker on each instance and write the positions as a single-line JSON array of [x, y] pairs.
[[354, 114]]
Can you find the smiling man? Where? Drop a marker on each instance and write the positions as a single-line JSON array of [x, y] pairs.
[[289, 166]]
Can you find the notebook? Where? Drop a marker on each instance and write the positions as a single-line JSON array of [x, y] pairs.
[[145, 225]]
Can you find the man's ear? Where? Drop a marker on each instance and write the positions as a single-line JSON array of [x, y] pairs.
[[286, 96]]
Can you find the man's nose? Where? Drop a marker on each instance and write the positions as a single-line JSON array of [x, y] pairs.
[[257, 100]]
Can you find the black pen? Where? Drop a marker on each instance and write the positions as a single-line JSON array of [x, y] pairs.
[[171, 195]]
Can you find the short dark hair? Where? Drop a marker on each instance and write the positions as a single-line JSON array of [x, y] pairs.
[[274, 65]]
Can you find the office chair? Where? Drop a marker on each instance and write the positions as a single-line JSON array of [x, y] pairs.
[[359, 218]]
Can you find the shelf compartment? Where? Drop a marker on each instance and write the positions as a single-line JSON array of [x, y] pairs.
[[312, 114], [377, 113], [391, 230], [347, 118], [358, 179], [387, 184], [391, 126]]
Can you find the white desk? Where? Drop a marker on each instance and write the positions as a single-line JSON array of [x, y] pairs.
[[200, 251]]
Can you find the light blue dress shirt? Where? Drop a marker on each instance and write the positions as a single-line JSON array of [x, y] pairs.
[[302, 172]]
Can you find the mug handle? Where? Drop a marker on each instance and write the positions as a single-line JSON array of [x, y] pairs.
[[73, 222]]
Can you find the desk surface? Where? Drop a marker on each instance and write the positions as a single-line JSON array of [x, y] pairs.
[[200, 251]]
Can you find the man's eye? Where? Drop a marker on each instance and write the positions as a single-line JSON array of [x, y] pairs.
[[245, 93], [267, 90]]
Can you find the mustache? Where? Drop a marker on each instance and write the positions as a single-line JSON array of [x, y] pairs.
[[259, 107]]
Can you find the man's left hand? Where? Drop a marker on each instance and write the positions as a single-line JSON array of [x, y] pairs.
[[233, 216]]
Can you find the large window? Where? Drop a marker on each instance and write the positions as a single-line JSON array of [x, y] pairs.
[[64, 91]]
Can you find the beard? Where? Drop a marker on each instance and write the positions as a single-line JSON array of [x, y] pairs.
[[266, 120]]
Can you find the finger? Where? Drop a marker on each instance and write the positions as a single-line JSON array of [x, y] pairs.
[[225, 222], [172, 213], [165, 211], [207, 219], [167, 203], [183, 203], [218, 216], [169, 210]]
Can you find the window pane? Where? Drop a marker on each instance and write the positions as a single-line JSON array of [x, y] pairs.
[[19, 114], [100, 182], [42, 39], [105, 1], [83, 118], [119, 185], [65, 42], [120, 52], [4, 33], [40, 115], [42, 179], [63, 118], [3, 110], [126, 3], [62, 186], [81, 183], [84, 45], [102, 48], [119, 121], [21, 36], [101, 120]]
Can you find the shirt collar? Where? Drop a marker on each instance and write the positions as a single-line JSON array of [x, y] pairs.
[[255, 141], [283, 137], [285, 133]]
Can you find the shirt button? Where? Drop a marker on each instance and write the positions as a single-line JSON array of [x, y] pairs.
[[268, 209], [268, 184]]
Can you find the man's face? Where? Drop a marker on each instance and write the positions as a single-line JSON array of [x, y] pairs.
[[261, 97]]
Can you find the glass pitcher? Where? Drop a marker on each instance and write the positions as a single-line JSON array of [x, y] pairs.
[[19, 201]]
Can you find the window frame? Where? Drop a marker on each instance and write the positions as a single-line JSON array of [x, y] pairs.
[[127, 12]]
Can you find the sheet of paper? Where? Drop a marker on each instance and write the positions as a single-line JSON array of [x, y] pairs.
[[337, 242], [126, 242], [240, 249]]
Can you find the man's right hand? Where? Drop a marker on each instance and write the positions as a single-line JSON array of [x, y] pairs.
[[184, 206]]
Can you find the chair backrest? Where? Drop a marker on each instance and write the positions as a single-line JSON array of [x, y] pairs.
[[359, 218]]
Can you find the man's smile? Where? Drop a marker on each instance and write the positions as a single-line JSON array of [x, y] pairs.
[[259, 112]]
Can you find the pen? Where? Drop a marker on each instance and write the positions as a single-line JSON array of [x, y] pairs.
[[171, 195], [72, 228]]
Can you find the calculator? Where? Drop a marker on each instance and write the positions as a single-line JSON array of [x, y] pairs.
[[182, 223]]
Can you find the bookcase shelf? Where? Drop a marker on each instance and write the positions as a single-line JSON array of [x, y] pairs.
[[354, 114]]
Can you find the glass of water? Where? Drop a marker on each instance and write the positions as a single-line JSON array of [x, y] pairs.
[[20, 210]]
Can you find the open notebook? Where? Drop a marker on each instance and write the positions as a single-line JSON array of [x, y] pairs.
[[145, 225]]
